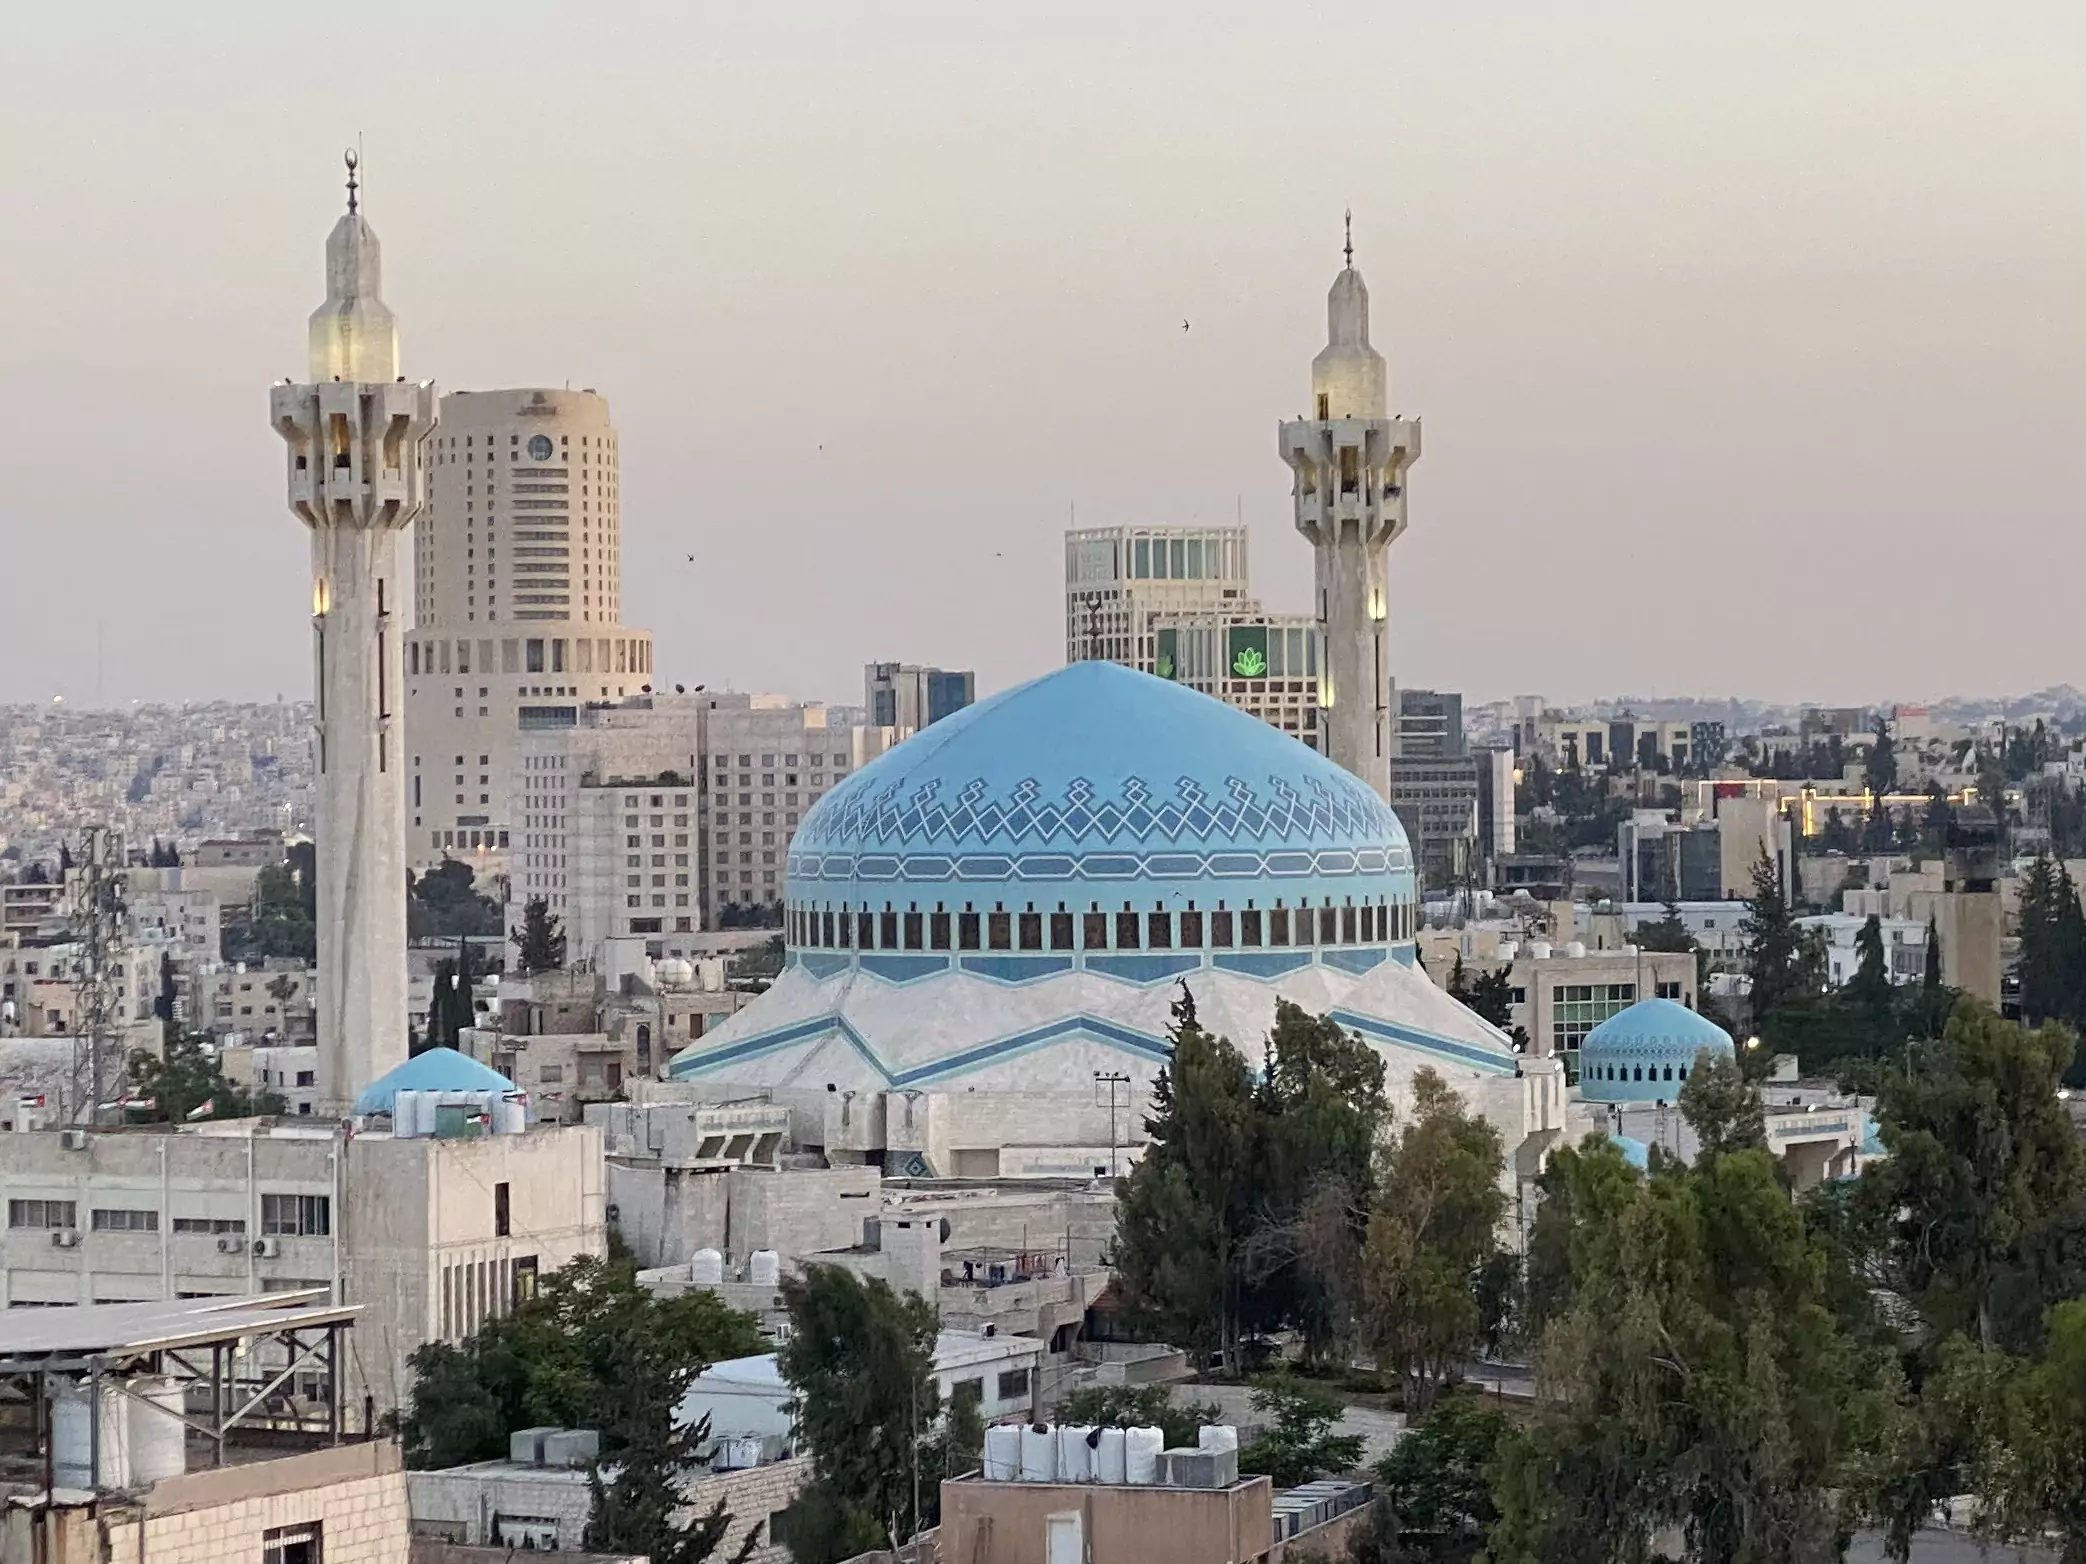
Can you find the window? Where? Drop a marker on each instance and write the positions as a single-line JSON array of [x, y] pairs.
[[125, 1220], [299, 1544], [297, 1216], [502, 1211], [43, 1213], [1014, 1383]]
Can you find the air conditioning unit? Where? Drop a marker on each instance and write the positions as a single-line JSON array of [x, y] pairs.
[[230, 1245], [73, 1140], [267, 1248], [66, 1238]]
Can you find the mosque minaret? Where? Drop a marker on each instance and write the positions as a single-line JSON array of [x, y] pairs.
[[354, 435], [1349, 458]]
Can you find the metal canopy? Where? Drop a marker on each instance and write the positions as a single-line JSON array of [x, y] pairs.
[[90, 1335]]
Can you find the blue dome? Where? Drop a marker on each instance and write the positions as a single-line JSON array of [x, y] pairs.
[[1099, 791], [1644, 1053], [435, 1070]]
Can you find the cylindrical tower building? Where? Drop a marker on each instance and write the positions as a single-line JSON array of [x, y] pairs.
[[518, 607], [1349, 460], [354, 448]]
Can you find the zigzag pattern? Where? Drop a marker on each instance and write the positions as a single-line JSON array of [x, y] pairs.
[[1081, 816]]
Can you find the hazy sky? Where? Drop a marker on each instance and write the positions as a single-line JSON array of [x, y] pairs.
[[1750, 340]]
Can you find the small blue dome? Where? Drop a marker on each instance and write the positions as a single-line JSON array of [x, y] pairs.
[[436, 1070], [1644, 1053], [1097, 789]]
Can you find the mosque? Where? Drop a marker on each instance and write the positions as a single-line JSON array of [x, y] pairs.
[[987, 928]]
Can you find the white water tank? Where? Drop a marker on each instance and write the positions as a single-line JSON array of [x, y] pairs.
[[706, 1268], [1003, 1453], [1075, 1453], [158, 1439], [1141, 1447], [72, 1451], [764, 1268], [1216, 1436], [1039, 1454], [1108, 1457]]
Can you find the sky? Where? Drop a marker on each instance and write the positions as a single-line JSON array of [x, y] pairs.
[[1750, 341]]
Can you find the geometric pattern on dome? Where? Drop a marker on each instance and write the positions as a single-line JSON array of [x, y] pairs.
[[1081, 815]]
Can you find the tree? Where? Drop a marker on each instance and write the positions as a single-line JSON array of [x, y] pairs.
[[590, 1349], [1184, 1214], [1433, 1227], [861, 1359], [1722, 1107], [1437, 1478], [184, 1081], [1297, 1444], [1773, 941], [1139, 1406], [540, 941], [1880, 770]]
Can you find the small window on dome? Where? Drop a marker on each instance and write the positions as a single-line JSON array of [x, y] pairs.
[[966, 931]]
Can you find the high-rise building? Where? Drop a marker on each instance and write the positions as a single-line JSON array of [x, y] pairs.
[[1349, 459], [1118, 578], [518, 604], [901, 695], [354, 435]]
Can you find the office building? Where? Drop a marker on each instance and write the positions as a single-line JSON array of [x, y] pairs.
[[354, 437], [1349, 460], [518, 607], [1118, 578], [901, 695]]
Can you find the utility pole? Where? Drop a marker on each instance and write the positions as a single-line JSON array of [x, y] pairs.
[[1112, 1079], [97, 918]]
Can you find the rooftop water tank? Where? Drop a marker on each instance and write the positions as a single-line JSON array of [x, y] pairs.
[[706, 1268], [158, 1438], [764, 1268]]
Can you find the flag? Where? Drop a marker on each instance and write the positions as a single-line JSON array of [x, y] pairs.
[[203, 1109]]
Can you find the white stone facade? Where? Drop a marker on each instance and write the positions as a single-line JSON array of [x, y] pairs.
[[517, 607]]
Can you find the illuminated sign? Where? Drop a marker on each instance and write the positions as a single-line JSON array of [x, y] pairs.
[[1246, 651]]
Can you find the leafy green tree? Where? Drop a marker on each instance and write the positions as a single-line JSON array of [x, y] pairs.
[[540, 941], [185, 1077], [1139, 1406], [860, 1358], [1297, 1443], [1437, 1479], [1722, 1107], [1433, 1228], [1184, 1215]]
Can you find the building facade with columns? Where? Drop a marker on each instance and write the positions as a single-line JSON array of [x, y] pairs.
[[518, 607]]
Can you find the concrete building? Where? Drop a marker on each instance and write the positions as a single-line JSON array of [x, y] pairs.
[[1349, 459], [518, 609], [1118, 578], [353, 436], [426, 1236], [907, 697]]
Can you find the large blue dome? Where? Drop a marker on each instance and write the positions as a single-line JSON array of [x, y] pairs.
[[1644, 1053], [1099, 808]]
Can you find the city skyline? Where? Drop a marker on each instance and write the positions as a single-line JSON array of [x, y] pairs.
[[1666, 231]]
